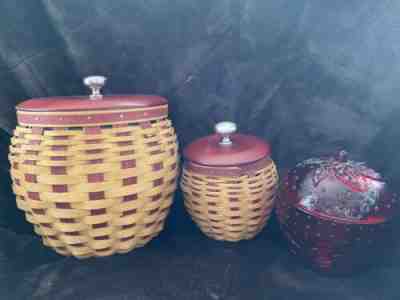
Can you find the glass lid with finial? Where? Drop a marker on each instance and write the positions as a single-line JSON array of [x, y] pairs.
[[342, 189]]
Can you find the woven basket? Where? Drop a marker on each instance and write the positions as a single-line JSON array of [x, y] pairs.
[[229, 203], [97, 186], [230, 208]]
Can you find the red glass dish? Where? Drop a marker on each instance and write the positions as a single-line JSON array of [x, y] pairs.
[[336, 214]]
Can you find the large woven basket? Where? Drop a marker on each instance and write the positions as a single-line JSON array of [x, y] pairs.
[[229, 188], [94, 176]]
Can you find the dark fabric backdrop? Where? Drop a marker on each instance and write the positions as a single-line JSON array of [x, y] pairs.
[[310, 76]]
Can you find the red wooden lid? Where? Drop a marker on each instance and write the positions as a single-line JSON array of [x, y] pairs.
[[91, 110], [226, 148], [83, 103]]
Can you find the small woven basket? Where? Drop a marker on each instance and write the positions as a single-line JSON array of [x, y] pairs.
[[94, 176], [229, 184]]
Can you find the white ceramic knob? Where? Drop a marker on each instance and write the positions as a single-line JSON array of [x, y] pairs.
[[225, 129], [95, 83]]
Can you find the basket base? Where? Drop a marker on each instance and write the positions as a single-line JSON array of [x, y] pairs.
[[232, 237], [121, 249]]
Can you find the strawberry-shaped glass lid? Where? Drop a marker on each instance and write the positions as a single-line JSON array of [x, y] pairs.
[[341, 188]]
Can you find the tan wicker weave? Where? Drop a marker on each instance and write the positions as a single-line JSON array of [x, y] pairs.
[[95, 191], [230, 208]]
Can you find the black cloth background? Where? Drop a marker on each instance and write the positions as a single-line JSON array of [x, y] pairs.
[[310, 76]]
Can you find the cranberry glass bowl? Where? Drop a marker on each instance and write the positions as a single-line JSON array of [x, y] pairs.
[[336, 214]]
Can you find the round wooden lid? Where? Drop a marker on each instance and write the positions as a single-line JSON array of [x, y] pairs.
[[91, 110], [83, 103], [226, 148]]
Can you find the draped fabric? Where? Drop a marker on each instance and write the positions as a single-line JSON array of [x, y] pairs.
[[310, 76]]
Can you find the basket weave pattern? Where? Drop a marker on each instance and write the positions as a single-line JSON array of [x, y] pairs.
[[95, 191], [230, 208]]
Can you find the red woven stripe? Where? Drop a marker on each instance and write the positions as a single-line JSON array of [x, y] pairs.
[[67, 220], [96, 212], [58, 158], [59, 148], [101, 238], [128, 152], [96, 141], [95, 177], [60, 188], [126, 133], [58, 170], [129, 198], [96, 195], [63, 205], [100, 225], [72, 233], [130, 181], [33, 195], [60, 137], [129, 212], [158, 166], [95, 161], [127, 143], [94, 151], [126, 164], [31, 178], [127, 238]]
